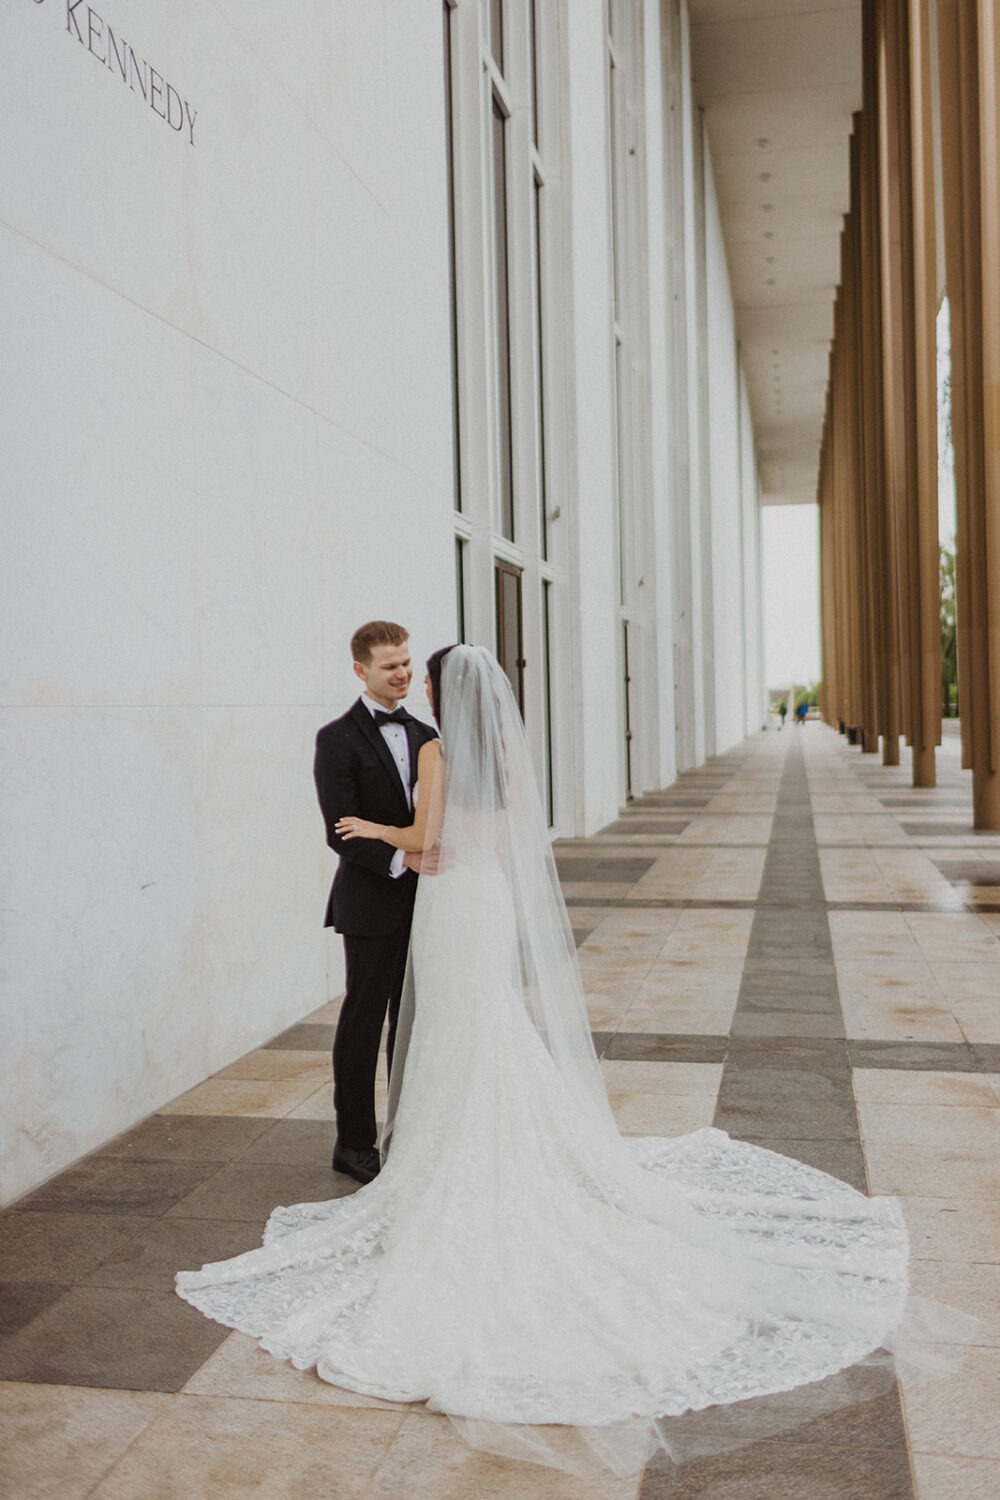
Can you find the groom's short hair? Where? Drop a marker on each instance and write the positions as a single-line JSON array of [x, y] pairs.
[[376, 633]]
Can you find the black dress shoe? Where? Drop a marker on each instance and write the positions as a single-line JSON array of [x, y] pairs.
[[362, 1165]]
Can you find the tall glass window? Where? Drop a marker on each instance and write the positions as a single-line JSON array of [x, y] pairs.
[[501, 329], [452, 272]]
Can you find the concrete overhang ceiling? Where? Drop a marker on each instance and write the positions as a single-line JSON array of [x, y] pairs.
[[778, 81]]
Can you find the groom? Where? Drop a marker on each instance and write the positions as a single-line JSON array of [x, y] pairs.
[[366, 765]]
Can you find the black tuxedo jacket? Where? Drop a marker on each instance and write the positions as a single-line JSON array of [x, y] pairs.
[[356, 776]]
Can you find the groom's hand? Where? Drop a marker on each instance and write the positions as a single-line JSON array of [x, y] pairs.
[[425, 863]]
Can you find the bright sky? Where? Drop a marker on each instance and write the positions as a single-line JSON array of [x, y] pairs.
[[791, 594]]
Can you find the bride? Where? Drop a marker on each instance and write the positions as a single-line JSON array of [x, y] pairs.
[[517, 1261]]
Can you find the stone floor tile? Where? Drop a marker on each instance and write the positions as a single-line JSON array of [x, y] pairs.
[[304, 1037], [860, 936], [638, 1113], [270, 1063], [945, 1172], [648, 1046], [296, 1142], [956, 1413], [691, 1018], [972, 1289], [107, 1185], [917, 1088], [237, 1096], [942, 1478], [430, 1461], [57, 1441], [843, 1159], [20, 1301], [324, 1015], [784, 1471], [975, 1129], [251, 1191], [212, 1447], [60, 1248], [663, 1077], [152, 1258], [119, 1338], [240, 1369], [187, 1138], [731, 828], [953, 1229], [941, 936]]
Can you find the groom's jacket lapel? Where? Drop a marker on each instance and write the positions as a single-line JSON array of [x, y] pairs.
[[363, 719]]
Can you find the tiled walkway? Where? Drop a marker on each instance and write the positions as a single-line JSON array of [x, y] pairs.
[[789, 943]]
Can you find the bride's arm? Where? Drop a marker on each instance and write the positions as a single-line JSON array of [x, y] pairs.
[[426, 824]]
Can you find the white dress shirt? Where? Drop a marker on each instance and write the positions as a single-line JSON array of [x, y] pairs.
[[398, 742]]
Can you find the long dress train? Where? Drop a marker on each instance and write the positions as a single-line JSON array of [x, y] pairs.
[[517, 1261]]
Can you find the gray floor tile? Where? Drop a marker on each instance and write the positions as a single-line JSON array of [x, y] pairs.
[[112, 1337], [643, 1046], [784, 1471], [107, 1185], [297, 1142], [251, 1191], [154, 1256], [306, 1037], [20, 1301], [844, 1159], [187, 1138], [60, 1247]]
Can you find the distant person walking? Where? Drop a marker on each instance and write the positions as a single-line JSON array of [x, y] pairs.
[[801, 709], [782, 711]]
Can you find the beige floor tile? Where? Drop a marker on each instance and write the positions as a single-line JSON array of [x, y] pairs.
[[429, 1460], [734, 828], [957, 1413], [235, 1096], [319, 1105], [273, 1064], [970, 1289], [914, 1171], [961, 980], [326, 1014], [851, 875], [941, 1478], [638, 1113], [908, 1019], [952, 1229], [56, 1441], [848, 828], [239, 1368], [663, 1077], [879, 935], [596, 890], [210, 1447], [974, 1129], [957, 937], [623, 925], [911, 876], [732, 875], [915, 1088], [680, 1020]]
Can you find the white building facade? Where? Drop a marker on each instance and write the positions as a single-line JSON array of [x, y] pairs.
[[396, 308]]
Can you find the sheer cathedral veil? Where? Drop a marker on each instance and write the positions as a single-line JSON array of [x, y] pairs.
[[489, 820], [563, 1294]]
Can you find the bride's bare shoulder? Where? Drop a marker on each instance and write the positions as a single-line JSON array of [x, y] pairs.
[[429, 752]]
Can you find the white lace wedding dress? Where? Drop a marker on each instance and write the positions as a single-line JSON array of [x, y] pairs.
[[517, 1261]]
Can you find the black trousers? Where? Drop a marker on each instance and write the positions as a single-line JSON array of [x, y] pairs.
[[375, 970]]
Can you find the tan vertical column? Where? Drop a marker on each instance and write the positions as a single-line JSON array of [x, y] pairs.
[[969, 61], [908, 278]]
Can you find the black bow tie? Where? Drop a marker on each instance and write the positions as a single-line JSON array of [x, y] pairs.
[[398, 716]]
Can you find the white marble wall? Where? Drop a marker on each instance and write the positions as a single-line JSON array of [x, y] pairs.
[[225, 421]]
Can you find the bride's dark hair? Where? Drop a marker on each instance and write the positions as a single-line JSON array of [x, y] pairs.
[[434, 673]]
